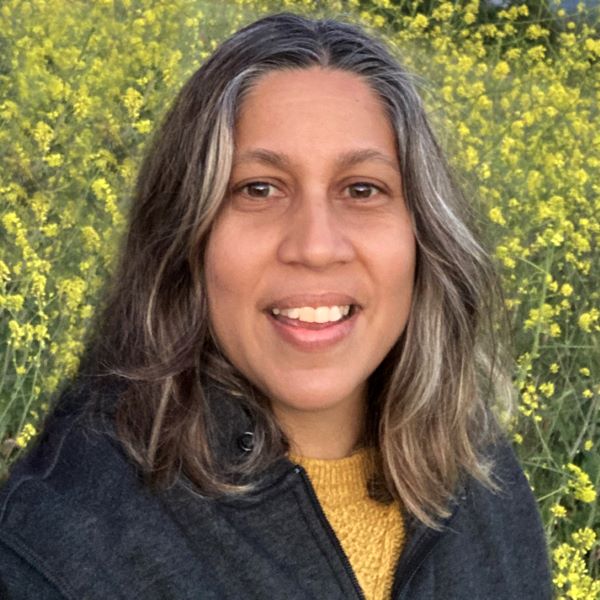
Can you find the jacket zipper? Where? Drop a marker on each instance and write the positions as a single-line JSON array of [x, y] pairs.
[[404, 571], [330, 532]]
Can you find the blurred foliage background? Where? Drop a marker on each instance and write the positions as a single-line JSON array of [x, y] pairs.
[[513, 90]]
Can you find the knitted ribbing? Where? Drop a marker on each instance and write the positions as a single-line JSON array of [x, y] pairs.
[[370, 533]]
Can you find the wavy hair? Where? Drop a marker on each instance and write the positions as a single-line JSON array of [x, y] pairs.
[[430, 399]]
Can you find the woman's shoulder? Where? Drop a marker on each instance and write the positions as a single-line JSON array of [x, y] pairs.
[[498, 534], [506, 472], [68, 496], [511, 505], [69, 509], [75, 453]]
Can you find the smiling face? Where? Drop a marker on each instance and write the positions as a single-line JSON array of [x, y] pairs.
[[315, 219]]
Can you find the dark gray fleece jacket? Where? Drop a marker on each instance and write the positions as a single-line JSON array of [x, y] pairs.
[[77, 523]]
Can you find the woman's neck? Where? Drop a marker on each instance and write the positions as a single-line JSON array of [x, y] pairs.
[[326, 434]]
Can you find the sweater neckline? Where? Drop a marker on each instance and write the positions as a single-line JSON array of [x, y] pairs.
[[340, 479]]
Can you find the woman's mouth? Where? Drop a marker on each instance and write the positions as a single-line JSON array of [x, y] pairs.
[[301, 328], [314, 318]]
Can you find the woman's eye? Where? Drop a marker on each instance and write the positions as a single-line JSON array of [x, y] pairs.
[[257, 189], [362, 190]]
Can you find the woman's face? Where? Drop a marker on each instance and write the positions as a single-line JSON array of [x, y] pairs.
[[315, 219]]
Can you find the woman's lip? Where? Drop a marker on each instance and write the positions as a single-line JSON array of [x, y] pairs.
[[310, 340]]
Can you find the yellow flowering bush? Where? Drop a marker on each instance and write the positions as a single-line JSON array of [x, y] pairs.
[[514, 94], [571, 577]]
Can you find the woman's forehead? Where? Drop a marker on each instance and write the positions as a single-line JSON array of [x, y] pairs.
[[316, 110], [326, 82]]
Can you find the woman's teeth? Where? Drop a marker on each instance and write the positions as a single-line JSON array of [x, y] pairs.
[[322, 314]]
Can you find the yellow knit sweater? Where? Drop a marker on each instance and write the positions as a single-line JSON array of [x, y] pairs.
[[371, 533]]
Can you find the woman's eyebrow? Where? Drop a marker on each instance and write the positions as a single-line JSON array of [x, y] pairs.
[[343, 161], [261, 155], [354, 157]]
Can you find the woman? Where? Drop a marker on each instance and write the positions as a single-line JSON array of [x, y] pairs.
[[287, 395]]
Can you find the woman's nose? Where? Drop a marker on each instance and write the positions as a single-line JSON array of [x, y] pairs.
[[315, 235]]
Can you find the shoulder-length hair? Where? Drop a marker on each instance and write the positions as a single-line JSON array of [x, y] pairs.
[[429, 401]]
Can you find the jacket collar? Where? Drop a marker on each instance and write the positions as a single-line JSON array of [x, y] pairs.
[[232, 440], [235, 436], [235, 439]]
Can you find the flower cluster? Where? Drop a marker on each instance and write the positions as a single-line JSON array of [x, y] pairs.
[[580, 484], [571, 576]]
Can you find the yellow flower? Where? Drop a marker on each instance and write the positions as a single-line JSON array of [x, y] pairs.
[[584, 538], [443, 12], [43, 134], [513, 53], [536, 53], [23, 438], [38, 284], [539, 316], [592, 46], [104, 192], [72, 290], [469, 18], [535, 31], [588, 319], [133, 102], [419, 22], [12, 302], [82, 102], [378, 21], [87, 311], [91, 239], [496, 216], [580, 484], [143, 126], [11, 222], [50, 230], [471, 157], [570, 574], [566, 289], [501, 70], [558, 510], [54, 160]]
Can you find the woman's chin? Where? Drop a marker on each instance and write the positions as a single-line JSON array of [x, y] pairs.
[[312, 397]]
